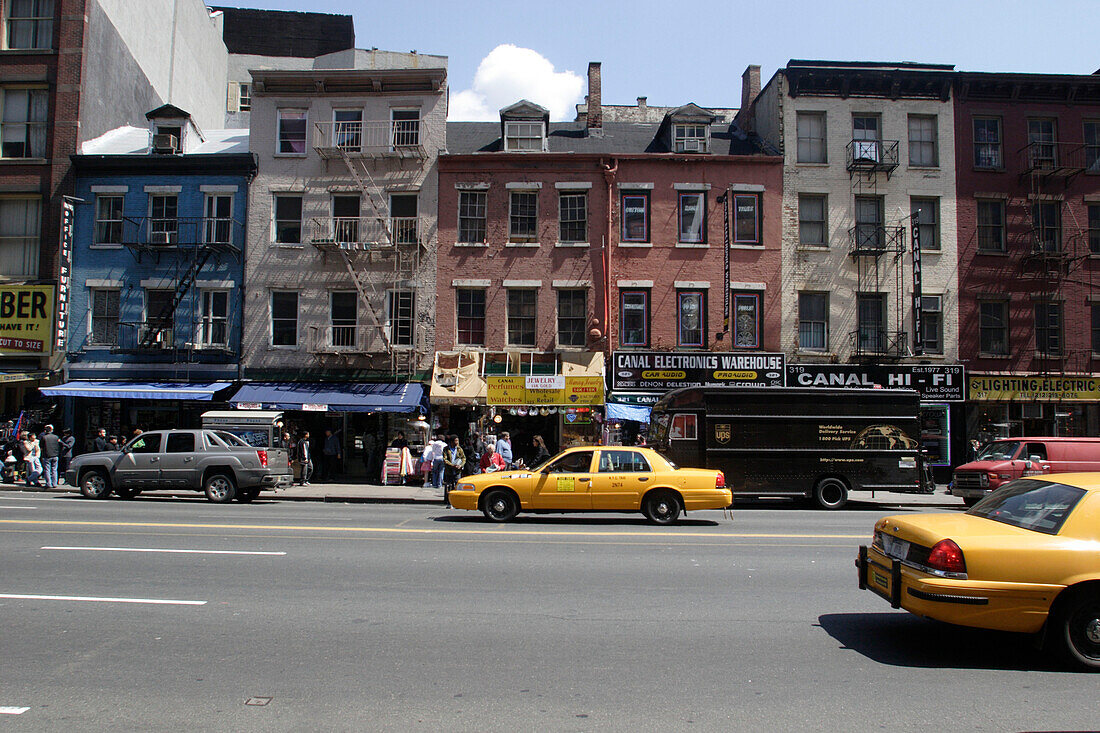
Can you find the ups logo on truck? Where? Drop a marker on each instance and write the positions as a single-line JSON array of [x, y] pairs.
[[722, 433]]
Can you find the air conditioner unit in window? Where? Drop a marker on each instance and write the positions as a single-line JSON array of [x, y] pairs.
[[166, 144], [161, 238], [690, 146], [867, 150]]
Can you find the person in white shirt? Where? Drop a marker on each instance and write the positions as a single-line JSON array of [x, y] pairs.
[[433, 452]]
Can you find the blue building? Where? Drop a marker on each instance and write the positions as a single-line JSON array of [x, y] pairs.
[[156, 300]]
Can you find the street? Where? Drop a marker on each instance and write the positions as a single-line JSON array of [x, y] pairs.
[[170, 614]]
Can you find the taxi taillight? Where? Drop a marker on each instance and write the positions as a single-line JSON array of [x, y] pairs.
[[720, 481], [262, 455], [947, 556]]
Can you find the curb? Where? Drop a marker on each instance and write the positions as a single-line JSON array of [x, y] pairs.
[[328, 498]]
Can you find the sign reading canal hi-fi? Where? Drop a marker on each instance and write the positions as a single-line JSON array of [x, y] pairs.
[[26, 319], [644, 371]]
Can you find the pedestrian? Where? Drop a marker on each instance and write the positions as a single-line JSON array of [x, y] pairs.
[[100, 443], [305, 459], [330, 456], [399, 442], [288, 443], [473, 453], [32, 459], [370, 456], [541, 454], [491, 460], [433, 456], [51, 455], [112, 444], [137, 432], [454, 461], [67, 443], [504, 448]]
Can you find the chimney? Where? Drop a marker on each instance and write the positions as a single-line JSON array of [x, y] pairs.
[[750, 85], [595, 104], [641, 103]]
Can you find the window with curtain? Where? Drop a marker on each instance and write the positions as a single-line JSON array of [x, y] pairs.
[[23, 123], [811, 220], [29, 24], [108, 219], [215, 318], [20, 222], [922, 141], [470, 307], [104, 317], [813, 315], [521, 317]]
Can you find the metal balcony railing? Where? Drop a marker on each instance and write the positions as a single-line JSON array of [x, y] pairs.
[[872, 240], [401, 138], [872, 155], [364, 232], [134, 335], [216, 335], [345, 339], [878, 342], [153, 233], [1053, 158]]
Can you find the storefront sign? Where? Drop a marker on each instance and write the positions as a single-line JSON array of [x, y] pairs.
[[552, 382], [249, 406], [1034, 388], [932, 381], [660, 371], [574, 391], [26, 319], [64, 273], [313, 407]]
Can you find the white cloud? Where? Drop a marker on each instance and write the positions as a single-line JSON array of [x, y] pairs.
[[510, 73]]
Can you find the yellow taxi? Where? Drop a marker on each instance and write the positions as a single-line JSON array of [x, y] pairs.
[[597, 479], [1025, 558]]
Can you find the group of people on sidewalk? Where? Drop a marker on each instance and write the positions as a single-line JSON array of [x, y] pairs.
[[301, 455], [41, 458]]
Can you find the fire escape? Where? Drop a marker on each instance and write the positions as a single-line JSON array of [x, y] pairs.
[[1053, 247], [878, 251], [380, 248]]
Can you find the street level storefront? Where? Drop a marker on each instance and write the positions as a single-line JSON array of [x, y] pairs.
[[122, 406], [1013, 405], [364, 417], [941, 400], [27, 343]]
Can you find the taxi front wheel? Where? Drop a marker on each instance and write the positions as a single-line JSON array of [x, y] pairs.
[[1080, 629], [500, 506]]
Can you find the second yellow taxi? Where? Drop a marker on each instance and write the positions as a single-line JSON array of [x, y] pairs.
[[599, 479]]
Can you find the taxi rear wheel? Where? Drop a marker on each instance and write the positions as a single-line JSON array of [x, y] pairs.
[[661, 507], [1080, 629], [500, 506]]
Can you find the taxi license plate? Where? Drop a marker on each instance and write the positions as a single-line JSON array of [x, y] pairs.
[[895, 548]]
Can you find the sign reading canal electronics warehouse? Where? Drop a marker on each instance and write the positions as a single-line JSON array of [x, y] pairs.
[[660, 371], [933, 381], [1066, 388], [26, 319]]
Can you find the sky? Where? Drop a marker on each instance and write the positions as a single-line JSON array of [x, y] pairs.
[[672, 53]]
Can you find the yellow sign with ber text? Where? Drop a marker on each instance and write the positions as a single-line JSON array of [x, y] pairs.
[[26, 319]]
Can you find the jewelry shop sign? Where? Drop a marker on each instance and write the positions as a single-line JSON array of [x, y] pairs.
[[544, 390], [660, 371]]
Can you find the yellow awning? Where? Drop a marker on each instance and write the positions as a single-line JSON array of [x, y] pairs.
[[582, 363], [457, 379]]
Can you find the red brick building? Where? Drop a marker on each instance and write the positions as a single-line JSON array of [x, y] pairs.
[[1028, 169]]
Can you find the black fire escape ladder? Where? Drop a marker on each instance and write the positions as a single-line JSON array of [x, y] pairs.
[[164, 318]]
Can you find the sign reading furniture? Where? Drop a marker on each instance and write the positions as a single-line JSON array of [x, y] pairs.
[[26, 319], [660, 371]]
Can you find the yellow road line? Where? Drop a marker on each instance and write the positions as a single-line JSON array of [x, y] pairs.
[[412, 530]]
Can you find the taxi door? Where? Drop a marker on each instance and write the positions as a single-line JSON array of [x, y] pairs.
[[623, 476], [565, 483]]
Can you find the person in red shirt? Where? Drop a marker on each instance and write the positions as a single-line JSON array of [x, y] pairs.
[[491, 460]]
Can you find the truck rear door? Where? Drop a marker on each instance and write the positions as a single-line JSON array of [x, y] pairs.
[[177, 467]]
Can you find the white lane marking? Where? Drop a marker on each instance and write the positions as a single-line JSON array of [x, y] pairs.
[[157, 601], [16, 506], [153, 549], [12, 710]]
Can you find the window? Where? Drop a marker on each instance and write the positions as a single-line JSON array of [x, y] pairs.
[[746, 218], [470, 307], [524, 136], [623, 461], [1048, 328], [867, 138], [634, 317], [691, 315], [871, 322], [523, 216], [104, 318], [1095, 308], [30, 24], [578, 462], [404, 221], [926, 221], [345, 218], [400, 316], [813, 321], [1092, 147], [347, 129], [244, 99], [987, 142], [993, 327], [217, 222], [635, 217], [811, 137], [746, 320], [573, 217], [812, 222], [1094, 228], [343, 318], [991, 226], [23, 123], [146, 443], [922, 141], [572, 316], [108, 219], [214, 329], [406, 127], [521, 317], [931, 323], [691, 138], [292, 132], [1046, 218], [163, 221], [180, 443], [471, 217], [288, 219], [284, 318], [1042, 143], [684, 427], [870, 234], [20, 222], [693, 208], [159, 309]]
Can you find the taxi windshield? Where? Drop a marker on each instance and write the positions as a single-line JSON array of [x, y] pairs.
[[1002, 450], [1034, 504]]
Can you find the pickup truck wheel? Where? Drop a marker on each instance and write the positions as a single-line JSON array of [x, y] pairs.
[[831, 493], [1078, 626], [245, 496], [661, 507], [94, 484], [219, 488]]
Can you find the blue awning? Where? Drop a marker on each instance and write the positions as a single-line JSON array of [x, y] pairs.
[[348, 397], [615, 411], [138, 390]]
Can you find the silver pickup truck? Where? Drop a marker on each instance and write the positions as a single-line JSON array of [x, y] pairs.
[[213, 461]]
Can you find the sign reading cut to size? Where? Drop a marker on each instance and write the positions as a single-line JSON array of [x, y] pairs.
[[26, 319], [664, 370], [1066, 388], [515, 391]]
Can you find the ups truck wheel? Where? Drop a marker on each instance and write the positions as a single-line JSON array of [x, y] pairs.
[[831, 493], [94, 484], [219, 488]]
